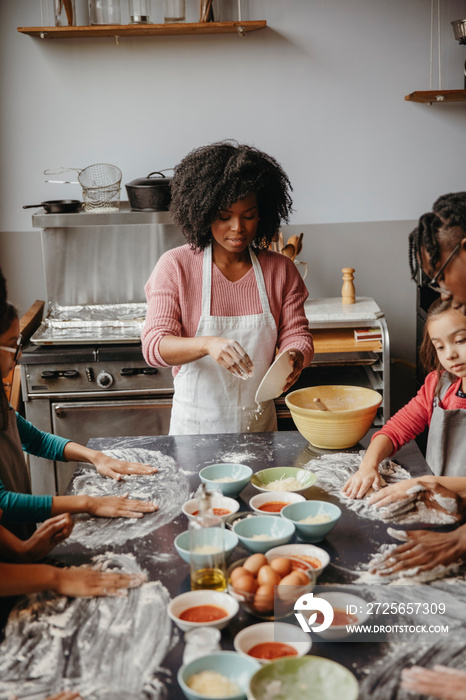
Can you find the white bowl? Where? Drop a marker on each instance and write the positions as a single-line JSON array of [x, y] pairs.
[[285, 497], [272, 632], [247, 529], [218, 501], [236, 667], [339, 600], [191, 599], [213, 474], [307, 553]]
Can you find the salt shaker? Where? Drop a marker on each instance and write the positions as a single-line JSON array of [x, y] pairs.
[[348, 293], [199, 642]]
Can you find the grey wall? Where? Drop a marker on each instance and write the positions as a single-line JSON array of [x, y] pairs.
[[321, 88]]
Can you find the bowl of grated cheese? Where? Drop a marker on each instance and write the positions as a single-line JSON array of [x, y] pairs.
[[210, 546], [223, 674], [293, 479], [313, 520], [229, 477]]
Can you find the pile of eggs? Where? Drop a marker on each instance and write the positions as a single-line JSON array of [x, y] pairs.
[[257, 577]]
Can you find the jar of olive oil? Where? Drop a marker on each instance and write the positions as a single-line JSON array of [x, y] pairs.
[[206, 546]]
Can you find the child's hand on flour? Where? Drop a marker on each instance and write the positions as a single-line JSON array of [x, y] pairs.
[[118, 507], [83, 582], [114, 468], [50, 533]]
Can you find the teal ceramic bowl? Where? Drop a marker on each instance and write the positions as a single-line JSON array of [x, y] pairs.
[[302, 679], [304, 479], [211, 538], [295, 513], [230, 478], [236, 667], [260, 533]]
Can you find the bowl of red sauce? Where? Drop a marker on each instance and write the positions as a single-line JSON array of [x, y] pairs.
[[272, 502], [203, 608], [221, 505], [268, 641], [348, 610]]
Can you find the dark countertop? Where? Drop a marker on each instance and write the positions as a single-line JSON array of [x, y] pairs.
[[350, 545]]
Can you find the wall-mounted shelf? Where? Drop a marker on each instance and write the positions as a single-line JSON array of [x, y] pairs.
[[437, 96], [121, 30]]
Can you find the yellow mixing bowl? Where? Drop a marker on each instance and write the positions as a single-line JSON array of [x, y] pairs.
[[351, 412]]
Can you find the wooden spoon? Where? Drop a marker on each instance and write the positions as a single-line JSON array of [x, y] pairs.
[[289, 251], [318, 403], [299, 245]]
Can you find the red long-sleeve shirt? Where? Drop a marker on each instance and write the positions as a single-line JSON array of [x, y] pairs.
[[174, 294], [410, 421]]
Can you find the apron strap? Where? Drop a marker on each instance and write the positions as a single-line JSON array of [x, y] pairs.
[[207, 282]]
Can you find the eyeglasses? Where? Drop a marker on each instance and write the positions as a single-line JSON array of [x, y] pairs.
[[433, 284], [16, 350]]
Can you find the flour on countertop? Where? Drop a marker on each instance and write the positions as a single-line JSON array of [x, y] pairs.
[[76, 644], [413, 509], [168, 488], [400, 578]]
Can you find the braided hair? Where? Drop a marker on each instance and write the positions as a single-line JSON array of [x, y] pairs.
[[444, 227], [212, 178]]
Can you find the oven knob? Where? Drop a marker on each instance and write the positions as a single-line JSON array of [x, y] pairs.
[[49, 374], [150, 370], [104, 379], [128, 371]]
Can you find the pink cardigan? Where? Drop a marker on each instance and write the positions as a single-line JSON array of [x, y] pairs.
[[410, 421], [174, 293]]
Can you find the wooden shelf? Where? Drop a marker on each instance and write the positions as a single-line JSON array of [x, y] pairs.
[[341, 340], [437, 96], [121, 30]]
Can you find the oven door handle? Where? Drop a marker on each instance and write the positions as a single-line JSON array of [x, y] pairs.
[[61, 408]]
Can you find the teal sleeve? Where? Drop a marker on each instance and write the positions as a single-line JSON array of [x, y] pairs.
[[36, 442], [24, 508]]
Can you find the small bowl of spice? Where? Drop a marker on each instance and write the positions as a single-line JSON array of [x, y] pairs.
[[260, 533], [222, 674], [313, 520], [271, 503], [290, 479], [203, 608], [230, 478], [221, 505], [268, 641]]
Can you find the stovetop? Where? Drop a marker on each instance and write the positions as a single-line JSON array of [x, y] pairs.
[[51, 354]]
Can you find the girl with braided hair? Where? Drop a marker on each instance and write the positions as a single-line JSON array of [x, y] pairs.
[[222, 305], [437, 246]]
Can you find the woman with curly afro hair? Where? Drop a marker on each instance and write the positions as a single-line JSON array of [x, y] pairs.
[[221, 306]]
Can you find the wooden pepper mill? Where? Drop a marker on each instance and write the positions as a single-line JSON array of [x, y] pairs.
[[348, 293]]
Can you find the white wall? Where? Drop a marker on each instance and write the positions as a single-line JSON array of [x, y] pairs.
[[321, 88]]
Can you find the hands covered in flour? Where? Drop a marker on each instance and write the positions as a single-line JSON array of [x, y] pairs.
[[229, 354], [419, 500], [440, 682]]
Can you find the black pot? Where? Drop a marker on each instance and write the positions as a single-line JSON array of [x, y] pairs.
[[149, 194], [57, 206]]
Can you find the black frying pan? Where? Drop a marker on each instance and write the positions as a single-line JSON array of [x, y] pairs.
[[57, 206]]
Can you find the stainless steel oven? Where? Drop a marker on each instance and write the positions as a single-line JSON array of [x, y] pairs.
[[83, 374]]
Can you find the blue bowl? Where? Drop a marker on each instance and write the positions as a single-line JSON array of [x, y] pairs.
[[311, 532], [212, 476], [277, 530], [239, 669], [211, 537]]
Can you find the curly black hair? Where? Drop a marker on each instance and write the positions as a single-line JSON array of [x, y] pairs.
[[4, 315], [212, 178], [444, 227]]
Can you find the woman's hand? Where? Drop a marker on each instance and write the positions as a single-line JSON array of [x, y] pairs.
[[229, 354], [296, 360], [82, 582], [114, 468], [50, 533], [396, 492], [425, 550], [366, 478], [440, 682], [118, 507]]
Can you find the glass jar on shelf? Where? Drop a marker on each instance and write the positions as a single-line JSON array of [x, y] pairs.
[[139, 11], [104, 12]]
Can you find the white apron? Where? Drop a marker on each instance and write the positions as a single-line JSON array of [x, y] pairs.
[[446, 441], [210, 399]]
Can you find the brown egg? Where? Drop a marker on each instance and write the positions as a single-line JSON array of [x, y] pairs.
[[246, 583], [254, 563], [263, 600], [267, 575], [239, 571], [281, 565], [296, 578]]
